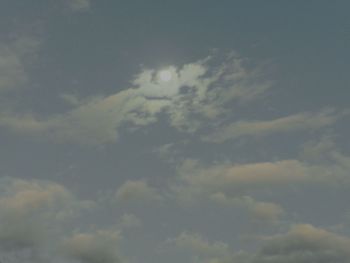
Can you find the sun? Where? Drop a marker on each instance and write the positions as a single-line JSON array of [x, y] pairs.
[[165, 75]]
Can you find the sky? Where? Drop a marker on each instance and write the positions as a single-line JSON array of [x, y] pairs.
[[174, 131]]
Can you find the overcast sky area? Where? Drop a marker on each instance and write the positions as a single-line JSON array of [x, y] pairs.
[[174, 131]]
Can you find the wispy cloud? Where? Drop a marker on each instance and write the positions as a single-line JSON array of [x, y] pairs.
[[293, 123], [79, 5], [229, 183], [196, 93]]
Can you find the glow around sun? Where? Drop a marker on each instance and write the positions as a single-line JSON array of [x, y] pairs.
[[165, 75]]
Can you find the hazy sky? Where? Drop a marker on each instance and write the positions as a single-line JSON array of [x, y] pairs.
[[174, 131]]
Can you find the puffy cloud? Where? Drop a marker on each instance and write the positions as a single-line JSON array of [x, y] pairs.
[[30, 209], [292, 123], [137, 191], [93, 247], [196, 93]]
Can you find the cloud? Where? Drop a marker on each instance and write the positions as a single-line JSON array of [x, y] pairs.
[[304, 244], [30, 210], [317, 150], [196, 180], [240, 185], [199, 246], [196, 93], [137, 191], [130, 221], [297, 122], [79, 5], [13, 57], [260, 211], [93, 247], [240, 177], [266, 211]]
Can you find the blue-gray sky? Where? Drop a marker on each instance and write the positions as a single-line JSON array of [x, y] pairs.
[[167, 131]]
